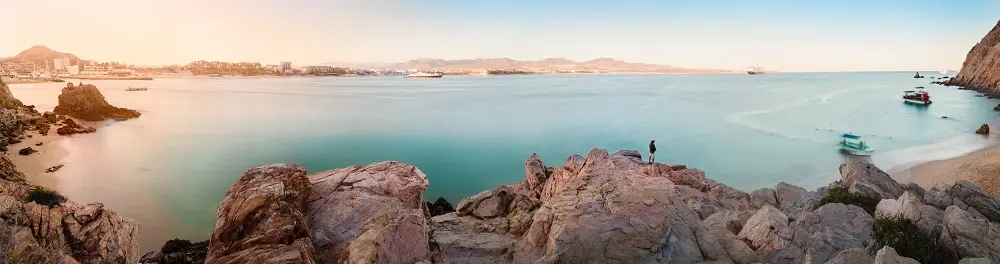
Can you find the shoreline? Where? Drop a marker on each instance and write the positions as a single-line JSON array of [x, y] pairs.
[[981, 167], [49, 154]]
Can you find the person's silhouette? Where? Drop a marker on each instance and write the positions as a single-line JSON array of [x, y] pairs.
[[652, 151]]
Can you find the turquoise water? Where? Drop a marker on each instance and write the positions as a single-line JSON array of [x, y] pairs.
[[171, 167]]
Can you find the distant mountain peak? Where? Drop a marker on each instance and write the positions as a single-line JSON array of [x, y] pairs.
[[41, 53]]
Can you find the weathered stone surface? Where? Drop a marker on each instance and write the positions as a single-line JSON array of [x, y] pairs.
[[471, 240], [938, 199], [983, 130], [831, 229], [86, 102], [72, 127], [975, 261], [7, 100], [614, 210], [868, 180], [981, 69], [371, 214], [439, 207], [927, 217], [562, 176], [535, 175], [729, 197], [852, 256], [967, 236], [88, 233], [974, 197], [788, 194], [725, 225], [768, 233], [261, 219], [177, 251], [888, 255], [763, 196]]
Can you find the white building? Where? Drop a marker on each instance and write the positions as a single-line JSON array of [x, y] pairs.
[[94, 70], [60, 65]]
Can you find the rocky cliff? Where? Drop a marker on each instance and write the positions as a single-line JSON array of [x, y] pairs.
[[981, 70], [86, 102], [601, 208]]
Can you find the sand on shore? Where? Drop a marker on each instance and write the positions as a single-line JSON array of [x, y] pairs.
[[49, 154], [9, 80], [981, 167]]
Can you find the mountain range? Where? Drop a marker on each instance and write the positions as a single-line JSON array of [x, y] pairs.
[[41, 54]]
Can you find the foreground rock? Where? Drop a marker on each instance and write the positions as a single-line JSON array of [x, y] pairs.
[[981, 69], [177, 251], [370, 214], [596, 209], [86, 102], [262, 218], [66, 231]]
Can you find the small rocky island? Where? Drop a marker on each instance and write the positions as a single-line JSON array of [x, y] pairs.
[[87, 103]]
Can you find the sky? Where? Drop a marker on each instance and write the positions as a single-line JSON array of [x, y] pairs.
[[843, 35]]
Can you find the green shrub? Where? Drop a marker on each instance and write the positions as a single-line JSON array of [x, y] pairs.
[[840, 194], [45, 196], [909, 240]]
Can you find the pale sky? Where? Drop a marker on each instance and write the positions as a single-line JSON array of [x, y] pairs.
[[779, 35]]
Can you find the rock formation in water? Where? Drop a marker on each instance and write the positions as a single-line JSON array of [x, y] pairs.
[[596, 209], [178, 251], [86, 102], [72, 127], [981, 70]]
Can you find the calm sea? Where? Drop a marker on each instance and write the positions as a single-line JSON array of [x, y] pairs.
[[170, 168]]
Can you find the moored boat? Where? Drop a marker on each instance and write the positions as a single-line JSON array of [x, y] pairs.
[[853, 144], [755, 70], [424, 75], [917, 97], [134, 89]]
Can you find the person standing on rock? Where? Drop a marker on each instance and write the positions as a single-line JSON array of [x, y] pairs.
[[652, 151]]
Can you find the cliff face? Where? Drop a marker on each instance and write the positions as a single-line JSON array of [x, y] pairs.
[[981, 69], [7, 100], [86, 102], [602, 208]]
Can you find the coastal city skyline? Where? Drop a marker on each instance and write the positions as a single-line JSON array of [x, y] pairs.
[[844, 36]]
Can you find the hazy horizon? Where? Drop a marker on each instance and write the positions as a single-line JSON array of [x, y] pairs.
[[778, 35]]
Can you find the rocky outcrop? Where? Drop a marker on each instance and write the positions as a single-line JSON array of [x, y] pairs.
[[71, 127], [983, 130], [7, 100], [981, 70], [866, 179], [439, 207], [887, 255], [86, 102], [370, 214], [67, 232], [968, 236], [177, 251], [596, 209], [973, 196], [262, 218]]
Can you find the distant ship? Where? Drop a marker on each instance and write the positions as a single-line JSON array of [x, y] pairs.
[[755, 70], [424, 75]]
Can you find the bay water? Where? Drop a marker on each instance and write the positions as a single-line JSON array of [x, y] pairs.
[[170, 168]]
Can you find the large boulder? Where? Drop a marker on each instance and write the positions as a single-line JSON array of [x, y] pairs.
[[768, 233], [614, 210], [763, 196], [888, 255], [7, 100], [86, 102], [968, 236], [262, 218], [983, 130], [830, 229], [926, 217], [370, 214], [725, 225], [866, 179], [787, 195], [729, 197], [177, 251], [88, 233], [973, 196], [852, 256], [471, 240]]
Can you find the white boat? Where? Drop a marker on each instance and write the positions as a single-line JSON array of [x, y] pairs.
[[755, 70], [853, 144], [424, 75], [917, 97], [944, 71]]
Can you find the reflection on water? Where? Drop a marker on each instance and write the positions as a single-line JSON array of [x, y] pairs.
[[170, 168]]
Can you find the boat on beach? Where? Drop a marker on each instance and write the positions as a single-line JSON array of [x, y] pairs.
[[917, 97], [424, 75], [853, 144]]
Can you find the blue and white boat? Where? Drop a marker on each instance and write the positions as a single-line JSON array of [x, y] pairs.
[[853, 144]]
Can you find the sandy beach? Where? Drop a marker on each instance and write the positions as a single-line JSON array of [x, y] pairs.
[[49, 154], [981, 167]]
